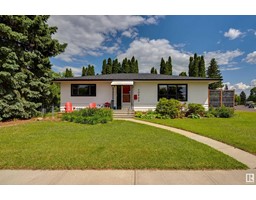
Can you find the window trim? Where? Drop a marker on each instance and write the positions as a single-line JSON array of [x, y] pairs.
[[72, 95], [176, 90]]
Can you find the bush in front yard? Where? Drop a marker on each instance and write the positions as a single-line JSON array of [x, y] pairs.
[[170, 108], [222, 112], [195, 110], [89, 116]]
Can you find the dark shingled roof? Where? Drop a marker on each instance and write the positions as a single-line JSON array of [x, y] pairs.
[[133, 77]]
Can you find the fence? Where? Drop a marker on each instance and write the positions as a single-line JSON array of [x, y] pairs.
[[218, 98]]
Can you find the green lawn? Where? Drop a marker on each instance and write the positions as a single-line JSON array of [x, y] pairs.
[[116, 145], [238, 131]]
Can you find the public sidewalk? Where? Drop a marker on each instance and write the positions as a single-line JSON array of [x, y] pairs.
[[240, 155], [126, 177]]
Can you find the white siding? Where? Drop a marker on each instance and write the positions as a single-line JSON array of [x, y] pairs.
[[103, 94], [147, 94], [198, 93]]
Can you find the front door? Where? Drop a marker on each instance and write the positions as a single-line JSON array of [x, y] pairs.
[[119, 97], [126, 94]]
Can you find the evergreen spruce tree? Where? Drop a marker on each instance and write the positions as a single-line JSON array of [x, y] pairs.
[[152, 71], [132, 65], [104, 67], [26, 45], [201, 67], [252, 96], [116, 67], [169, 66], [162, 66], [190, 66], [109, 66], [214, 72], [242, 98], [84, 71], [90, 70], [183, 74], [195, 66], [126, 66], [68, 73], [136, 67]]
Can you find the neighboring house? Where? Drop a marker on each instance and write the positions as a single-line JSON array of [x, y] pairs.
[[132, 91]]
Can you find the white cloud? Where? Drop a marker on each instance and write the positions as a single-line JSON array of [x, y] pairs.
[[239, 87], [149, 54], [233, 33], [242, 86], [130, 33], [223, 58], [253, 83], [229, 68], [251, 58], [87, 35], [180, 45]]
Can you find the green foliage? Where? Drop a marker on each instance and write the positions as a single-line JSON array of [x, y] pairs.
[[237, 99], [68, 73], [88, 71], [242, 98], [196, 66], [214, 72], [153, 70], [222, 112], [201, 67], [171, 108], [183, 74], [194, 116], [252, 96], [194, 71], [195, 109], [26, 45], [104, 67], [166, 67], [89, 116], [114, 67], [150, 115], [109, 66]]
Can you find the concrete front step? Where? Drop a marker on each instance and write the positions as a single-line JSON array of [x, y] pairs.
[[123, 116], [124, 113]]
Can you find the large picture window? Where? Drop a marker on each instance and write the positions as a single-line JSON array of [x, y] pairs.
[[172, 91], [83, 90]]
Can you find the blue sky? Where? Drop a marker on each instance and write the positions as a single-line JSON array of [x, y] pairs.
[[231, 40]]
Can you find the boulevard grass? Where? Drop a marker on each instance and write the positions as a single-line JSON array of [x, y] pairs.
[[115, 145], [238, 131]]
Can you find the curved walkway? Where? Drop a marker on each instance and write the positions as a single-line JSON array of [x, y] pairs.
[[240, 155]]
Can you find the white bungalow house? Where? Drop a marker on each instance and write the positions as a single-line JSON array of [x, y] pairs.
[[137, 92]]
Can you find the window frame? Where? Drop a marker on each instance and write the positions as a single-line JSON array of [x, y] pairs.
[[90, 94], [186, 96]]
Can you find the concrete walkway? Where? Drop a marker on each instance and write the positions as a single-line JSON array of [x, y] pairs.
[[240, 155], [125, 177]]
